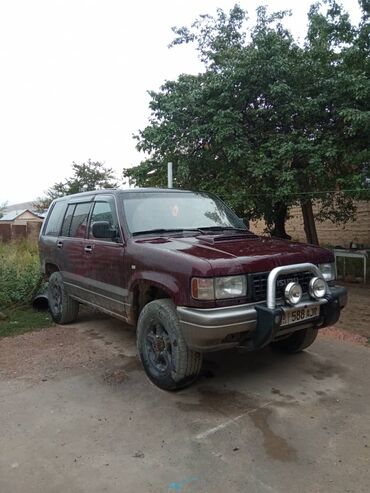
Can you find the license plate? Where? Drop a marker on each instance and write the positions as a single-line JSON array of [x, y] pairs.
[[297, 315]]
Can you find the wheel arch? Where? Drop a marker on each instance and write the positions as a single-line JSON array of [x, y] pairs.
[[50, 268], [143, 291]]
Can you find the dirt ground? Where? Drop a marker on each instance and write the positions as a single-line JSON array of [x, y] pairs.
[[77, 414], [66, 349], [355, 318]]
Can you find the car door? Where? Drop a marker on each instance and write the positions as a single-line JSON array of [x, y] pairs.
[[105, 258], [71, 247]]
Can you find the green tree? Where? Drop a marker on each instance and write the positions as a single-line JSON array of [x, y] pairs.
[[269, 123], [92, 175]]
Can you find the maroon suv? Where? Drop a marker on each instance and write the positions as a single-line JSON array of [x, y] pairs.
[[185, 270]]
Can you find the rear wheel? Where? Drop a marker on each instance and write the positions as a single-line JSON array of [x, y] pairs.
[[296, 342], [165, 356], [62, 307]]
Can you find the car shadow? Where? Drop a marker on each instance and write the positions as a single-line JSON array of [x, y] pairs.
[[230, 368]]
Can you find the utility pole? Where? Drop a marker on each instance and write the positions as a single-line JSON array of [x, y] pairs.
[[169, 175]]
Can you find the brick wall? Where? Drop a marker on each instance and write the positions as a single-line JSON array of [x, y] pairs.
[[329, 233]]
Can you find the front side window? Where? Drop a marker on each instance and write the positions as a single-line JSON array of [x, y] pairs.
[[150, 211], [104, 223]]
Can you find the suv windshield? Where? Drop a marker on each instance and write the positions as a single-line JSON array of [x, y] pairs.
[[177, 211]]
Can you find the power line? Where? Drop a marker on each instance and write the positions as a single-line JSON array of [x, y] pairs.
[[313, 193]]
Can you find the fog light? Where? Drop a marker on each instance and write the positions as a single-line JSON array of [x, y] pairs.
[[317, 288], [293, 293]]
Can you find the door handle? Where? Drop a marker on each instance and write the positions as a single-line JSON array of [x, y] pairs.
[[88, 248], [59, 244]]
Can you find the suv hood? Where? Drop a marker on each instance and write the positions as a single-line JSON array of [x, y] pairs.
[[235, 253]]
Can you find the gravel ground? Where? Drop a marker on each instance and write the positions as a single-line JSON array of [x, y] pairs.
[[49, 353]]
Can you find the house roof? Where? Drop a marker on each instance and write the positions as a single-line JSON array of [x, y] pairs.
[[12, 215]]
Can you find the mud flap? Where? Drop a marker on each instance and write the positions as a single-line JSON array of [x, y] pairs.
[[331, 311], [268, 323]]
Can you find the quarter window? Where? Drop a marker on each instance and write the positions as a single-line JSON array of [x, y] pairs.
[[55, 219]]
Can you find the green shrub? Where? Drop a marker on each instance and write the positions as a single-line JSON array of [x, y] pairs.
[[19, 273]]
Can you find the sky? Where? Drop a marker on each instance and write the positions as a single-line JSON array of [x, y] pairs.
[[75, 75]]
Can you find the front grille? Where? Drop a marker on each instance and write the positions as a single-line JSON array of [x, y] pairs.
[[259, 283]]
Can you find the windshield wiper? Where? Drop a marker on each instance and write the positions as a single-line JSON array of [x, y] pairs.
[[222, 228], [201, 230], [164, 230], [157, 230]]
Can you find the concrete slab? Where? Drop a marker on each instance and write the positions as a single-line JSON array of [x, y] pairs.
[[253, 423]]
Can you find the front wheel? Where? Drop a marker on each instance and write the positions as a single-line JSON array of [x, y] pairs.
[[164, 354], [62, 307], [296, 342]]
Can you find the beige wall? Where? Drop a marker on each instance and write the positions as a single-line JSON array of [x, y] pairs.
[[328, 232], [27, 217]]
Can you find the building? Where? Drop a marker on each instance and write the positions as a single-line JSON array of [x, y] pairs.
[[23, 216], [20, 224]]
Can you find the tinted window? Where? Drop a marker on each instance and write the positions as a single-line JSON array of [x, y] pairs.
[[104, 211], [55, 219], [67, 220], [79, 220]]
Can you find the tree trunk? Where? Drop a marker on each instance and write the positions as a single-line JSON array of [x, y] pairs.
[[280, 215], [309, 222]]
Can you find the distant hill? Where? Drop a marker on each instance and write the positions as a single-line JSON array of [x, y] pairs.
[[18, 207]]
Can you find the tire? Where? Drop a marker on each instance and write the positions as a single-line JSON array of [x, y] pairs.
[[62, 307], [296, 342], [164, 354]]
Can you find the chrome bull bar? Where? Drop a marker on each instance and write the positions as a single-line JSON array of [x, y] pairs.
[[286, 269]]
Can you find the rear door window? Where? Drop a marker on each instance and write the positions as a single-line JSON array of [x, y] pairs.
[[79, 220]]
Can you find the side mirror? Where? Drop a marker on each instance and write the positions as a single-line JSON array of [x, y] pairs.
[[102, 229]]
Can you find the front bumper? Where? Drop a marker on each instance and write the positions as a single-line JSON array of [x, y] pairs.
[[253, 324]]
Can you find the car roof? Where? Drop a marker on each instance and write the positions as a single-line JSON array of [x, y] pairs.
[[122, 191]]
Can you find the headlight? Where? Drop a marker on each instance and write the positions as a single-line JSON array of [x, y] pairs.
[[327, 271], [317, 288], [218, 288], [230, 287], [293, 293]]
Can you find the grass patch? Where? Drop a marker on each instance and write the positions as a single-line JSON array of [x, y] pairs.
[[24, 320], [20, 277]]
